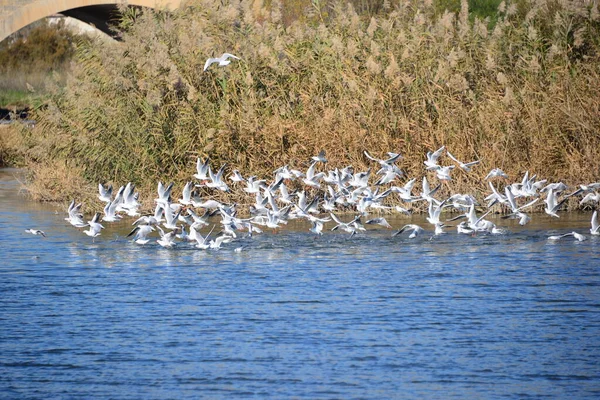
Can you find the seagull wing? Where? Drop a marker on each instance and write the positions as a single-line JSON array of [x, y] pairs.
[[229, 55], [511, 199], [208, 62], [595, 224], [453, 158]]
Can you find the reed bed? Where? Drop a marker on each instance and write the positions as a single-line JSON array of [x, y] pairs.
[[522, 93]]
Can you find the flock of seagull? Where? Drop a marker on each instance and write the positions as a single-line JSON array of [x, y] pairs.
[[320, 198]]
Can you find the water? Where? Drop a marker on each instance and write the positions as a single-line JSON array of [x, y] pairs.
[[294, 316]]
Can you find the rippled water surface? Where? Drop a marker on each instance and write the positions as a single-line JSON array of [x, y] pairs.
[[294, 316]]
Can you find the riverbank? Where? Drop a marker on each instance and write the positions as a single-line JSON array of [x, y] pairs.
[[522, 96]]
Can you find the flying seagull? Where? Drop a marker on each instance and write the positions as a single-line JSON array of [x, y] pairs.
[[223, 60], [35, 232]]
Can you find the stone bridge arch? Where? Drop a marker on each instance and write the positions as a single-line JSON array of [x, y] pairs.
[[16, 14]]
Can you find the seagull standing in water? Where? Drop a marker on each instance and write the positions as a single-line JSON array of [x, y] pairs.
[[223, 60]]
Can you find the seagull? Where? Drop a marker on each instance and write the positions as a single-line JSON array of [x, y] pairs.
[[236, 176], [284, 172], [379, 221], [75, 217], [223, 60], [110, 212], [312, 179], [496, 173], [389, 174], [208, 204], [558, 187], [416, 229], [186, 195], [585, 188], [216, 244], [151, 219], [496, 197], [216, 181], [434, 214], [432, 158], [443, 173], [141, 232], [164, 193], [516, 211], [320, 157], [551, 204], [105, 193], [254, 185], [167, 239], [405, 192], [95, 226], [590, 198], [384, 163], [595, 229], [463, 227], [317, 227], [202, 242], [35, 232], [349, 227], [577, 236], [427, 193], [202, 168], [464, 166], [170, 218]]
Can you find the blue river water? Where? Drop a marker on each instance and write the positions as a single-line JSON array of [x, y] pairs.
[[295, 316]]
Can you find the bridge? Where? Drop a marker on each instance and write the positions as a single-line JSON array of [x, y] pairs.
[[16, 14]]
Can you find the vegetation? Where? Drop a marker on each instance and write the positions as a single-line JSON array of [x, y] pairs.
[[30, 60], [521, 95]]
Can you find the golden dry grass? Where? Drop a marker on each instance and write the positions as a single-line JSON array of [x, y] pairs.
[[523, 95]]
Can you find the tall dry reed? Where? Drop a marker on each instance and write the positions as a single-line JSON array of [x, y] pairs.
[[521, 95]]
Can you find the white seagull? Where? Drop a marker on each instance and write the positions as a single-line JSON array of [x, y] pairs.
[[465, 166], [95, 226], [577, 236], [416, 229], [552, 205], [379, 221], [35, 232], [595, 229], [320, 157], [202, 168], [432, 158], [141, 233], [496, 173], [75, 217], [105, 192], [223, 60]]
